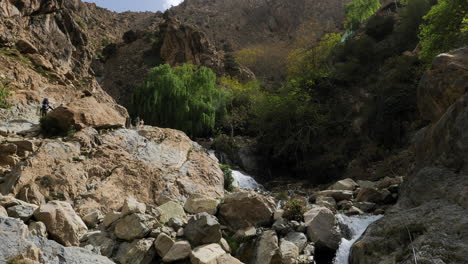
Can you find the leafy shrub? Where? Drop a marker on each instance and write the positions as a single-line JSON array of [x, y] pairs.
[[378, 27], [228, 178], [109, 50], [445, 28], [295, 209]]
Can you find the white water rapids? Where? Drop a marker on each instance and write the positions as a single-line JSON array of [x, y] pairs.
[[357, 226], [242, 180]]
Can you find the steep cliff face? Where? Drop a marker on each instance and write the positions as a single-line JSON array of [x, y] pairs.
[[171, 42], [429, 222]]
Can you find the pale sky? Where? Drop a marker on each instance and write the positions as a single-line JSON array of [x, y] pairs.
[[135, 5]]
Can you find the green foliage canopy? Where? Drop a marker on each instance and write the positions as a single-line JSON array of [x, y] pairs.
[[184, 97], [358, 11], [446, 28]]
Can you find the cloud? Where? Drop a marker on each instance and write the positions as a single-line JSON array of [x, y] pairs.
[[169, 3]]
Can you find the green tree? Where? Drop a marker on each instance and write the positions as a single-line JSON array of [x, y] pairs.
[[241, 98], [184, 97], [445, 28], [359, 10]]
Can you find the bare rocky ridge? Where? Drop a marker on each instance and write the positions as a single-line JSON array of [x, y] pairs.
[[244, 22]]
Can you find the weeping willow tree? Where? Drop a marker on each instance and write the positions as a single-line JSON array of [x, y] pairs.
[[184, 97]]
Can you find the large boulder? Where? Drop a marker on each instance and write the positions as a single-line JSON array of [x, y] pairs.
[[87, 112], [207, 254], [62, 223], [199, 203], [131, 206], [22, 211], [373, 195], [346, 184], [138, 252], [288, 252], [247, 208], [298, 238], [267, 247], [170, 210], [163, 244], [18, 244], [134, 226], [100, 241], [180, 250], [322, 228], [203, 228]]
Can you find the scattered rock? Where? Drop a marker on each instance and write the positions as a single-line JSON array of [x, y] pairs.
[[15, 241], [163, 244], [132, 206], [3, 211], [267, 247], [203, 228], [198, 203], [22, 211], [327, 202], [138, 252], [372, 195], [180, 250], [245, 232], [247, 208], [338, 195], [288, 252], [207, 254], [94, 218], [354, 211], [134, 226], [321, 228], [176, 223], [299, 239], [366, 184], [225, 245], [62, 223], [37, 229], [100, 241], [346, 184], [111, 217], [365, 206], [169, 210]]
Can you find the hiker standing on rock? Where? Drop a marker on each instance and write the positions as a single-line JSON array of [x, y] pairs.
[[45, 107]]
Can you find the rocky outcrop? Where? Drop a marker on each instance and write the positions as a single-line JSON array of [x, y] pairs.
[[152, 165], [20, 246], [322, 228], [427, 222], [246, 209]]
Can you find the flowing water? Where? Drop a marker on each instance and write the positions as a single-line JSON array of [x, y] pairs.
[[245, 181], [357, 225]]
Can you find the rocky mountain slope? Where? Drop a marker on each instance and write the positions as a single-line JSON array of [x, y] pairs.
[[429, 222], [151, 195]]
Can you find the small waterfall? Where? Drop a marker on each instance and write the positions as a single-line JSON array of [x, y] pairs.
[[357, 226], [242, 180]]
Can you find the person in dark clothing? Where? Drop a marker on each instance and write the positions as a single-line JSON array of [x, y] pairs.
[[45, 107]]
